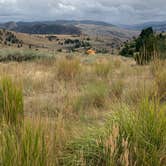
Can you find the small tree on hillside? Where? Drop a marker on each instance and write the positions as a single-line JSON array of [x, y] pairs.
[[145, 46]]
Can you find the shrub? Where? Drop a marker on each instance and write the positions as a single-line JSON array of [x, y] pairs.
[[19, 55], [11, 102], [68, 69]]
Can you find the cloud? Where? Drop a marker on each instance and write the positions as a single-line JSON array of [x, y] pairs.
[[114, 11]]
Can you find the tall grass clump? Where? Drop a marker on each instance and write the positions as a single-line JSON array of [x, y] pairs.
[[68, 69], [27, 148], [11, 102], [94, 95], [161, 85], [135, 92], [117, 63], [128, 138], [159, 73], [102, 70], [20, 144], [117, 87]]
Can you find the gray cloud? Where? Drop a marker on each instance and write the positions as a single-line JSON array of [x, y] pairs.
[[114, 11]]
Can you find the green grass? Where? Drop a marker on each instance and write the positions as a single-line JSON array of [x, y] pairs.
[[94, 95], [26, 148], [11, 102], [128, 138], [101, 131]]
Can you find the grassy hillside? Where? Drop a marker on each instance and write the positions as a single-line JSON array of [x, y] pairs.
[[41, 28], [106, 35], [159, 26], [82, 111], [62, 107], [107, 31], [59, 43]]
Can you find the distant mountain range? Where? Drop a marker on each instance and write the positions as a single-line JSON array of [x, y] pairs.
[[76, 22], [41, 28], [71, 27], [75, 27], [50, 27], [157, 26], [101, 34]]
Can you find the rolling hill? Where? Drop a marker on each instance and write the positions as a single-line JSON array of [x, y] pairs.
[[94, 28], [101, 36], [40, 28], [107, 32], [157, 26]]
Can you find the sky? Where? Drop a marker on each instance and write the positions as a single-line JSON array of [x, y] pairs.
[[112, 11]]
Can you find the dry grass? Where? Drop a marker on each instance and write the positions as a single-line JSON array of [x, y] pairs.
[[103, 70], [64, 98], [159, 72], [68, 69], [52, 85]]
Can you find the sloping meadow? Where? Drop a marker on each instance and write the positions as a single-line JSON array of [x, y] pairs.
[[67, 112]]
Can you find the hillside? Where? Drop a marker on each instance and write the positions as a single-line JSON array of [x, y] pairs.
[[62, 108], [8, 38], [40, 28], [158, 26], [52, 35], [107, 31], [52, 43], [82, 110], [91, 28]]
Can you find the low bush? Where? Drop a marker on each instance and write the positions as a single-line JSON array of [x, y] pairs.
[[19, 55]]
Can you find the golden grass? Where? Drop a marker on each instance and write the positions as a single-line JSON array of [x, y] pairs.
[[68, 69], [58, 82], [158, 71], [63, 98]]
